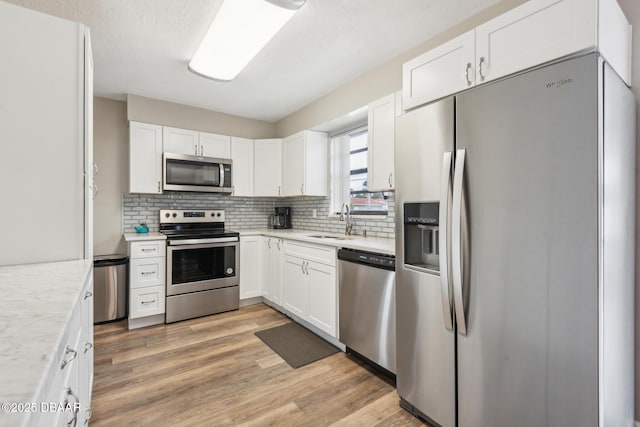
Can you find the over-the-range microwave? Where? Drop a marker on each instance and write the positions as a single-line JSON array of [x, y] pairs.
[[182, 172]]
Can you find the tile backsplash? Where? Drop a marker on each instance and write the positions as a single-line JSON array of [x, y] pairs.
[[250, 213]]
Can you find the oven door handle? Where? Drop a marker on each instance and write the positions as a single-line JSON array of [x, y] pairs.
[[202, 241]]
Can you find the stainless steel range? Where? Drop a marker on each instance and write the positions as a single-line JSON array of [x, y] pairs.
[[203, 264]]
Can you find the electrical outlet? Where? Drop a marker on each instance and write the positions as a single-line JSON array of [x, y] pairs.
[[314, 213]]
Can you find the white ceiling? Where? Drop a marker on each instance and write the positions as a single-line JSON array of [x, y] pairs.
[[142, 47]]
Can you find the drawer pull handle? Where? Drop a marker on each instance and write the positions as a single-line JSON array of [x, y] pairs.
[[148, 302], [88, 294], [146, 273], [74, 420], [148, 249], [466, 74], [87, 346], [65, 362], [482, 75]]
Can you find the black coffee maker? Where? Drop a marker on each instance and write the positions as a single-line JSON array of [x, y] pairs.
[[281, 219]]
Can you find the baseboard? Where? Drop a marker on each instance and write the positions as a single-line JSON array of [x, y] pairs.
[[250, 301], [143, 322]]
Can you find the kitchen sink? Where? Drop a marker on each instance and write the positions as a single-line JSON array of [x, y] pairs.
[[325, 236]]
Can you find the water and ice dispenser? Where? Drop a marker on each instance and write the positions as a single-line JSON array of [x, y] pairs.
[[421, 235]]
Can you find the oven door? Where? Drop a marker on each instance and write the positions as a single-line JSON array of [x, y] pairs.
[[192, 173], [198, 267]]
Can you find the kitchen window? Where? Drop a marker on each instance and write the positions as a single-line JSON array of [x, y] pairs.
[[349, 167]]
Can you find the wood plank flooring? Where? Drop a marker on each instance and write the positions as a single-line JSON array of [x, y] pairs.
[[213, 371]]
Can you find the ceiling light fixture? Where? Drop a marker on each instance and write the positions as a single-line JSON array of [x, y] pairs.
[[239, 31]]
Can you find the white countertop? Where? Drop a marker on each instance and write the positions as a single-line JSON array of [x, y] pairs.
[[152, 235], [370, 244], [36, 306]]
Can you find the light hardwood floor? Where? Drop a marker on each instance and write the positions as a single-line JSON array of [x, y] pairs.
[[213, 371]]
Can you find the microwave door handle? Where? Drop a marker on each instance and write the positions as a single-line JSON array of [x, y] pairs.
[[221, 175]]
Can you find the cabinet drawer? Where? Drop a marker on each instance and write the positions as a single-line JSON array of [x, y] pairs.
[[322, 254], [146, 301], [148, 249], [147, 272]]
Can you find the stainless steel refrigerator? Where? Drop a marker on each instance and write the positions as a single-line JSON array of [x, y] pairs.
[[515, 219]]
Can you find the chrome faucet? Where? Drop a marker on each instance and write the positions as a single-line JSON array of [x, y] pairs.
[[346, 217]]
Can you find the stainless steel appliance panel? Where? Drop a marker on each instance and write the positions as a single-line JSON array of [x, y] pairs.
[[197, 267], [618, 201], [204, 303], [425, 348], [183, 172], [367, 312], [110, 285], [530, 201]]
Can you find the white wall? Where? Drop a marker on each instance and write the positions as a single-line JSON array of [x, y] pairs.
[[164, 113], [374, 84], [111, 154]]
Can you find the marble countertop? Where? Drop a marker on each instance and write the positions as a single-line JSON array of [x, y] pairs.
[[36, 305], [152, 235], [370, 244]]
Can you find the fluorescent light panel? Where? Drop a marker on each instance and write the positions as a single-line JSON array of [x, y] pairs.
[[238, 32]]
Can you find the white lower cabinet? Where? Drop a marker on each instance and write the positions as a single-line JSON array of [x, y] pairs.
[[310, 284], [250, 267], [272, 269], [296, 286], [68, 398], [147, 282], [147, 301], [321, 286]]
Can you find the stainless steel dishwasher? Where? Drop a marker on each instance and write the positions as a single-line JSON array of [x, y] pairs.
[[367, 305]]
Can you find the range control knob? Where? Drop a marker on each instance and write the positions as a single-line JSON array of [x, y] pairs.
[[212, 214], [166, 215], [175, 215], [218, 214]]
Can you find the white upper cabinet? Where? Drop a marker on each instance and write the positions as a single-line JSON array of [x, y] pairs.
[[214, 145], [381, 125], [180, 141], [533, 33], [305, 167], [267, 170], [191, 142], [242, 167], [444, 70], [293, 163], [145, 158]]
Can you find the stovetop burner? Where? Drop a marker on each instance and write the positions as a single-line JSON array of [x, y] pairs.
[[202, 233]]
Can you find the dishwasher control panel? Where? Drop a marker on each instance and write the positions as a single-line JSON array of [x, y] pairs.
[[387, 262]]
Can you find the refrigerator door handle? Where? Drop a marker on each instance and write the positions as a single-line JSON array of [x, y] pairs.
[[445, 282], [457, 244]]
